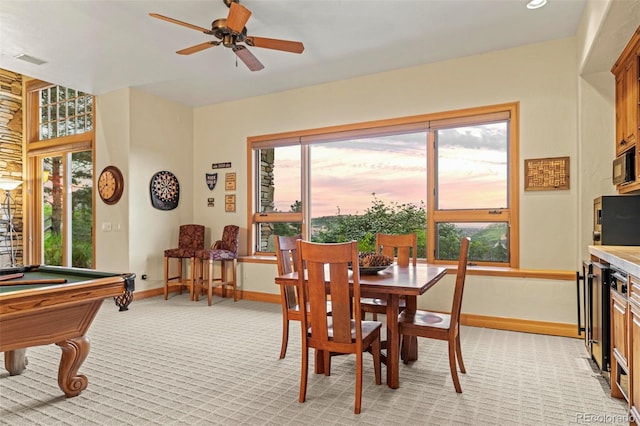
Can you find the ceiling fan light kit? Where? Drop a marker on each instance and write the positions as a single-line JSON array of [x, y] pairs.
[[231, 31]]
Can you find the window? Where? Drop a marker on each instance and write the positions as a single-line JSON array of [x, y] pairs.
[[60, 170], [63, 112], [443, 176]]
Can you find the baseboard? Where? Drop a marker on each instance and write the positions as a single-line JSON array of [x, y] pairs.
[[516, 324], [472, 320]]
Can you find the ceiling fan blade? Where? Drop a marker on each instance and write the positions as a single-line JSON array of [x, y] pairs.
[[238, 17], [247, 57], [272, 43], [197, 47], [184, 24]]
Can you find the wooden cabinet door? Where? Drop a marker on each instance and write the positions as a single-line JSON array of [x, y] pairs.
[[634, 358], [619, 345], [619, 327], [621, 116], [631, 100]]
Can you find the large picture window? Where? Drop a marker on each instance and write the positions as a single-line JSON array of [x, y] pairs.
[[443, 176]]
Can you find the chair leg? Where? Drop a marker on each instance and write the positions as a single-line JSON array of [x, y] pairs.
[[459, 354], [326, 361], [358, 404], [210, 283], [197, 280], [285, 333], [375, 348], [192, 274], [181, 283], [303, 373], [452, 365], [166, 278], [234, 265]]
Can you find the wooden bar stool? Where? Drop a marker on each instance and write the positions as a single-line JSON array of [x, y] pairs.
[[190, 239], [224, 251]]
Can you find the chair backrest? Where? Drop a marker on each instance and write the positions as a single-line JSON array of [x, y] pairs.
[[286, 255], [460, 278], [191, 237], [402, 247], [229, 241], [332, 259]]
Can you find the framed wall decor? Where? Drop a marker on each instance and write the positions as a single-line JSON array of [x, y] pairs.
[[165, 191], [544, 174], [230, 203], [230, 181]]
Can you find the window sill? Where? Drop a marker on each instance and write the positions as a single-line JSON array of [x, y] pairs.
[[493, 271]]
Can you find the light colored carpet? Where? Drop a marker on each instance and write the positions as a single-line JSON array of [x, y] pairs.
[[178, 362]]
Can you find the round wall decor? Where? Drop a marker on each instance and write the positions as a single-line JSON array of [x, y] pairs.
[[110, 185], [165, 191]]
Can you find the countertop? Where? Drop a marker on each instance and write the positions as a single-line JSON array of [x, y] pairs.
[[626, 258]]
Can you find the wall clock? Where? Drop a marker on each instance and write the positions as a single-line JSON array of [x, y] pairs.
[[110, 185], [165, 191]]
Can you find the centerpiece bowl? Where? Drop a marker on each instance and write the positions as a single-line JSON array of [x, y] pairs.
[[372, 263]]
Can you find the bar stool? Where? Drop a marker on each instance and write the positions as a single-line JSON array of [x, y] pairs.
[[190, 239], [223, 251]]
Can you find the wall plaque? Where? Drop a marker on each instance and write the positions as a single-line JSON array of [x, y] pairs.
[[543, 174]]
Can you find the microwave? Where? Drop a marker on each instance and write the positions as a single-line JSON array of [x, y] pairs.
[[616, 220], [624, 167]]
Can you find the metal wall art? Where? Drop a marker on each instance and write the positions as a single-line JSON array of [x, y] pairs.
[[212, 179]]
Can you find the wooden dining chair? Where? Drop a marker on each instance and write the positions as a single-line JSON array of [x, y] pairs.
[[286, 255], [404, 249], [343, 331], [435, 325]]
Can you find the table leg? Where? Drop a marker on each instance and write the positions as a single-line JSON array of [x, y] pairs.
[[15, 361], [410, 344], [393, 342], [74, 352]]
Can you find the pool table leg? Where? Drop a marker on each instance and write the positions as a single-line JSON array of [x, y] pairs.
[[74, 352], [15, 361]]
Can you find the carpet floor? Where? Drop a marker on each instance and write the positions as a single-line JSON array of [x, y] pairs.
[[179, 362]]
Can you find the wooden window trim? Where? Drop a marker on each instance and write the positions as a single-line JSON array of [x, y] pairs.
[[430, 121], [36, 148]]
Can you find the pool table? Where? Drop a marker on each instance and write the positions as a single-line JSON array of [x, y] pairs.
[[50, 311]]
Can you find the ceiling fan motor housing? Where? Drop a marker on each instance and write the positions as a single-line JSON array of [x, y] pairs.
[[219, 29]]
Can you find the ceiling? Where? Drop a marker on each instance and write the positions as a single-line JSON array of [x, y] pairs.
[[100, 46]]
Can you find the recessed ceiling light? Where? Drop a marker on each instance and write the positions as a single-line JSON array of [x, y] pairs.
[[536, 4], [30, 59]]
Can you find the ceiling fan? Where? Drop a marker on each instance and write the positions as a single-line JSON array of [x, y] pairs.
[[231, 31]]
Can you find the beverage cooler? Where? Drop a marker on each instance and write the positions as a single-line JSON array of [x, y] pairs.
[[593, 289]]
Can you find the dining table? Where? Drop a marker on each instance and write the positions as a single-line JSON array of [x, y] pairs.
[[390, 284]]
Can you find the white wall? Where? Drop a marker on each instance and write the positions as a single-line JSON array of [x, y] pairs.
[[112, 148], [142, 134], [541, 77], [562, 113]]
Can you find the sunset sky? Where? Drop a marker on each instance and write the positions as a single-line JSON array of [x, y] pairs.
[[344, 175]]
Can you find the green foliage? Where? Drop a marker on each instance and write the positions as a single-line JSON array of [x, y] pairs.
[[393, 218], [81, 210]]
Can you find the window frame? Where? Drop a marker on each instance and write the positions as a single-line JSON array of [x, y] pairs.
[[37, 148], [433, 121]]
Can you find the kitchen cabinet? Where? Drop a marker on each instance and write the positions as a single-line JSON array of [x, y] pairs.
[[634, 348], [624, 300], [627, 100], [619, 342]]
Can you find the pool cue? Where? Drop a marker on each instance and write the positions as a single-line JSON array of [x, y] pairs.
[[11, 276], [34, 282]]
